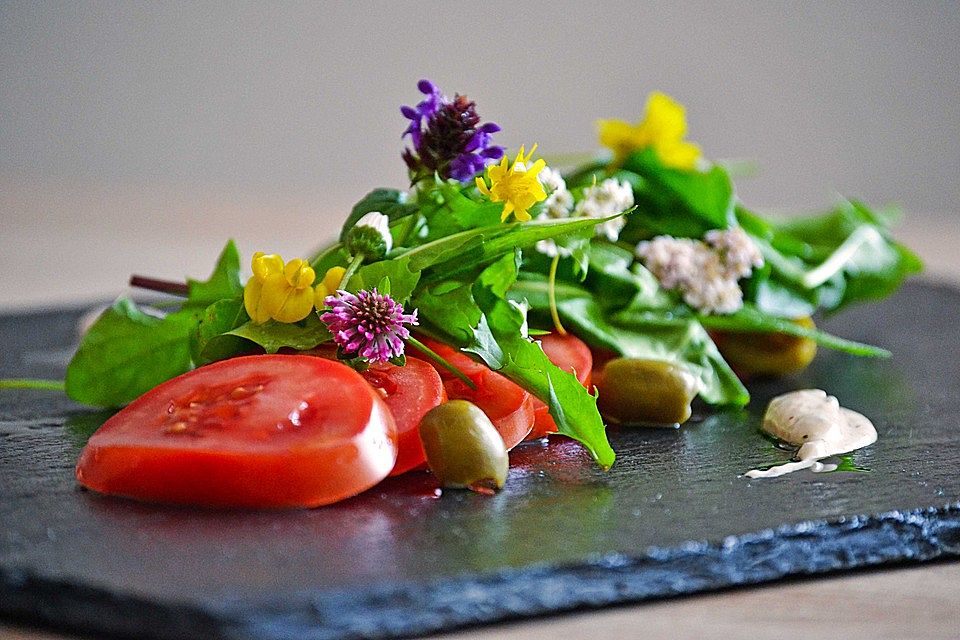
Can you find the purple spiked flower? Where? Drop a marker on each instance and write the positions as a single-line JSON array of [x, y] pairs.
[[368, 325], [447, 137]]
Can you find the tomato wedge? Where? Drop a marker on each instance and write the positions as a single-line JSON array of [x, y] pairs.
[[409, 391], [509, 407], [264, 431], [570, 353]]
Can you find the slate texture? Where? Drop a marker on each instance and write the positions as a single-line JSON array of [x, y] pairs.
[[674, 515]]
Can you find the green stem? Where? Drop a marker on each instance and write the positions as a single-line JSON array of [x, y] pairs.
[[24, 383], [436, 357], [552, 296], [351, 269]]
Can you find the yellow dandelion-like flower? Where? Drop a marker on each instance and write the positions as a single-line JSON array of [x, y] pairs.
[[515, 185], [278, 291], [663, 127]]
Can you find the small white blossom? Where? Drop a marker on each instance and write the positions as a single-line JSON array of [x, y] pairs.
[[608, 198], [559, 204], [737, 250], [674, 261], [705, 273], [551, 180]]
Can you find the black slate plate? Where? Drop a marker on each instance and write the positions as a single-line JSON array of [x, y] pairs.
[[672, 517]]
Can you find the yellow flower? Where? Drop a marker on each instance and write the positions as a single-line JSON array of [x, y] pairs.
[[328, 286], [663, 127], [515, 185], [279, 291]]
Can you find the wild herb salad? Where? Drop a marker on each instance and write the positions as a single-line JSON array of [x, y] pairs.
[[645, 253]]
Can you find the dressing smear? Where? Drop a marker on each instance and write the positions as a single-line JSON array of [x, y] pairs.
[[815, 422]]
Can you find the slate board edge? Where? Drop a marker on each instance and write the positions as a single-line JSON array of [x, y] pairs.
[[410, 609]]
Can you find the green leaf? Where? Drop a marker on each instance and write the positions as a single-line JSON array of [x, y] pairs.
[[402, 280], [675, 202], [658, 336], [449, 210], [390, 202], [128, 352], [333, 255], [273, 336], [499, 339], [224, 282], [449, 305], [752, 320], [468, 250], [213, 341], [845, 255]]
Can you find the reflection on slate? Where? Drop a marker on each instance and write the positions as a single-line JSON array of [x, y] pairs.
[[672, 517]]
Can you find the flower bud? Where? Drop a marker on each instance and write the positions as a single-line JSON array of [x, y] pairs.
[[370, 237]]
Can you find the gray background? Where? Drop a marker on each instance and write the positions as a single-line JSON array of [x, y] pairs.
[[138, 137]]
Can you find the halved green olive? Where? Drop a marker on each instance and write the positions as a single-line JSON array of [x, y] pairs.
[[463, 447], [636, 391], [767, 354]]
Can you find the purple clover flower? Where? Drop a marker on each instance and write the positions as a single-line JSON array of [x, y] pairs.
[[447, 137], [368, 324]]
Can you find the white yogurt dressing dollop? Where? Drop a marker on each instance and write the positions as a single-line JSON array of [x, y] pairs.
[[815, 422]]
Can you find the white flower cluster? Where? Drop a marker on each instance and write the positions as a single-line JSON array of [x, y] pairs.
[[608, 198], [738, 253], [705, 272], [559, 204], [559, 201]]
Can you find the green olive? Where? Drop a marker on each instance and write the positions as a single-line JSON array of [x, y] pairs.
[[463, 447], [767, 354], [635, 391]]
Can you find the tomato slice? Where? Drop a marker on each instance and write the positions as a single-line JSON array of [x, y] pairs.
[[469, 367], [409, 391], [509, 407], [570, 353], [264, 431]]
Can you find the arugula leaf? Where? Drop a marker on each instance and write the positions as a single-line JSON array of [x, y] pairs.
[[500, 340], [503, 239], [224, 282], [212, 341], [127, 352], [390, 202], [449, 305], [449, 210], [674, 202], [403, 281], [845, 256], [750, 319], [273, 336], [657, 336], [333, 255], [687, 343]]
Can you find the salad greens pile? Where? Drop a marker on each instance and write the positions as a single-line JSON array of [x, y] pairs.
[[488, 283]]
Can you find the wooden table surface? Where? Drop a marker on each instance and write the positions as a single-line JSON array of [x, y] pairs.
[[913, 601]]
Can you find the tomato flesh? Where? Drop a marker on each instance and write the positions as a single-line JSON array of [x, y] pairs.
[[468, 366], [570, 353], [409, 391], [255, 431]]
